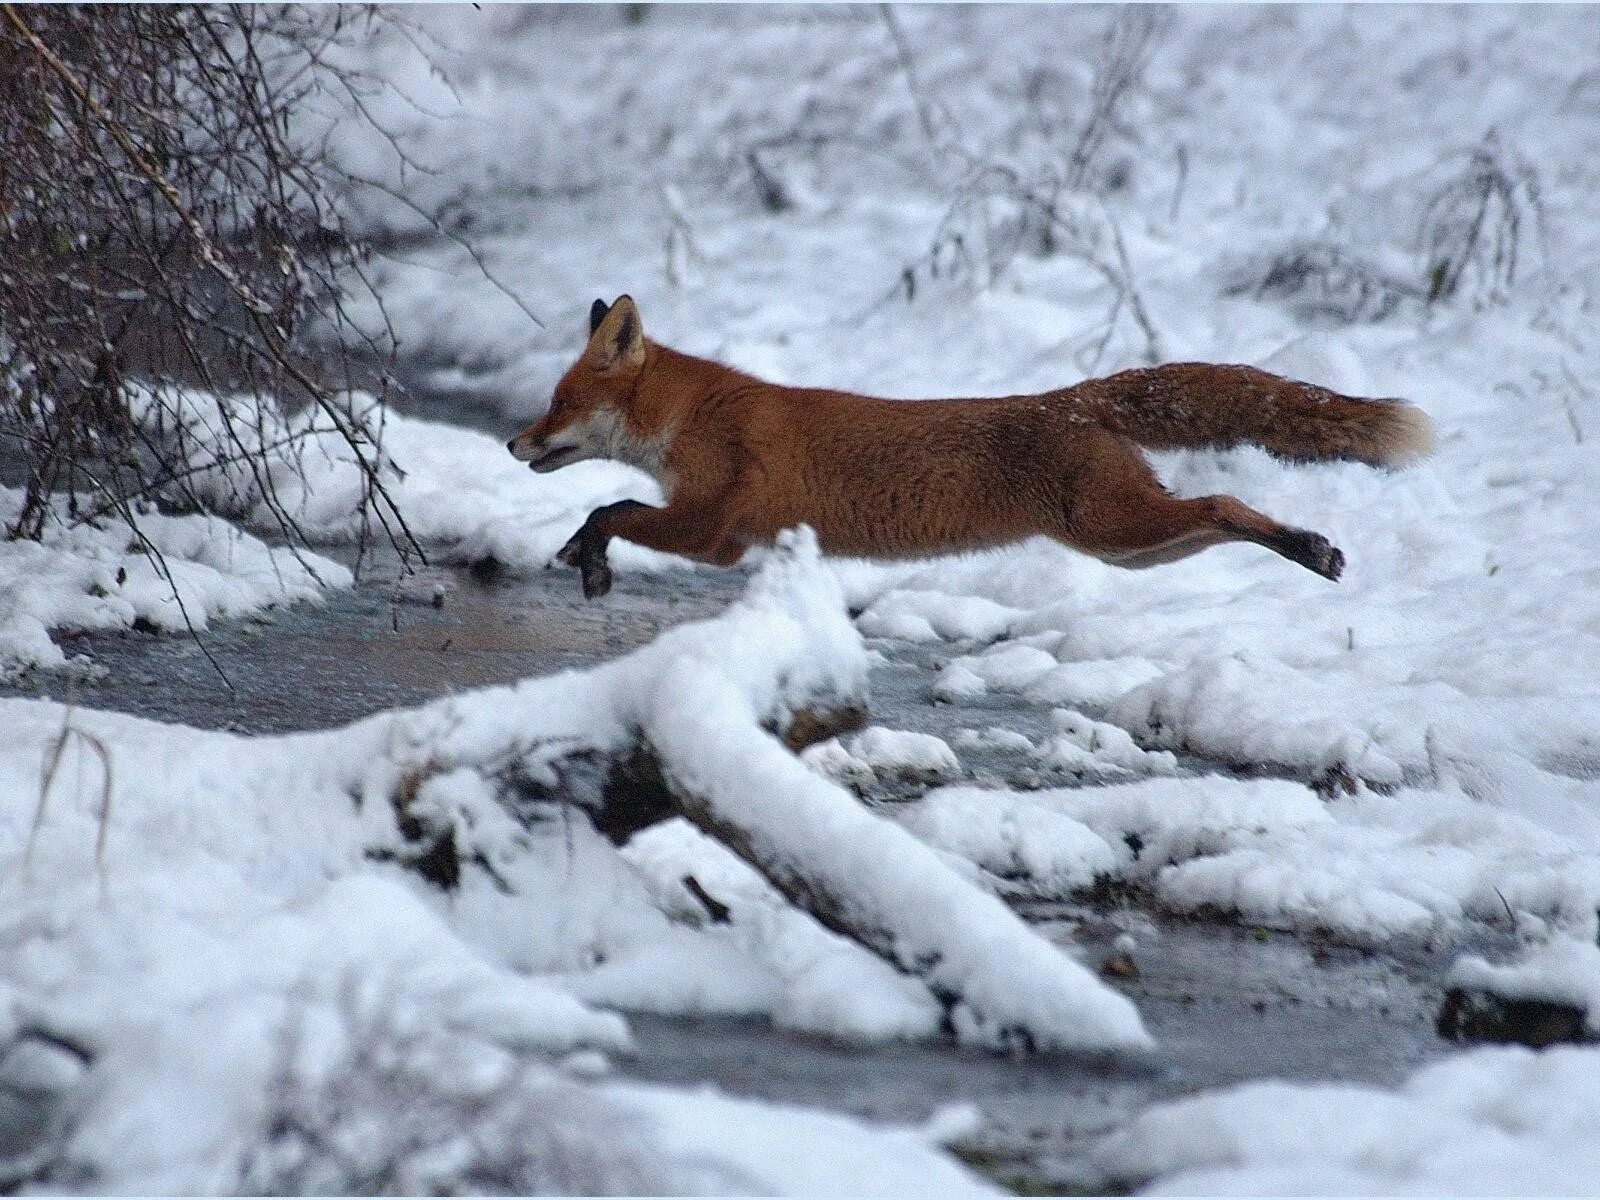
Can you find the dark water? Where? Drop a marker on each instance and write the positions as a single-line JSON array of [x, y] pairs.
[[385, 643], [1226, 1004]]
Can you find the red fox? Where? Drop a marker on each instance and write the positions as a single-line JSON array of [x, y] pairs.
[[740, 460]]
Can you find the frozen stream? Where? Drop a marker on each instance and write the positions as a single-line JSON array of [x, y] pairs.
[[1226, 1003]]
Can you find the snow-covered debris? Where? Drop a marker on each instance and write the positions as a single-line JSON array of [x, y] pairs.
[[1368, 867], [958, 682], [1043, 851], [925, 616], [97, 576], [866, 876], [1563, 971], [876, 754], [830, 758], [1492, 1122], [1080, 745], [1025, 666], [994, 737], [770, 958]]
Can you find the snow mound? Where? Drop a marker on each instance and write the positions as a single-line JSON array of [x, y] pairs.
[[878, 755], [1493, 1122]]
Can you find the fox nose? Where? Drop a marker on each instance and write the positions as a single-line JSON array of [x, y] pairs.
[[512, 445]]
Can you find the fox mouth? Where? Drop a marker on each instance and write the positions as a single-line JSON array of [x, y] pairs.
[[559, 456]]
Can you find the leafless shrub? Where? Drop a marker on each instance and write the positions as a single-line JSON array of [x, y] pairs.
[[1473, 227], [999, 214], [1124, 55], [1323, 282], [407, 1107], [1046, 203], [159, 220]]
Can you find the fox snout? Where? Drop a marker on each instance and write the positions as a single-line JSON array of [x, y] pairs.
[[543, 453]]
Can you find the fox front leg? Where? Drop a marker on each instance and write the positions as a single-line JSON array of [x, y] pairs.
[[697, 526], [586, 549]]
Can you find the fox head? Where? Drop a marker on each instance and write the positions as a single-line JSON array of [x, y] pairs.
[[587, 417]]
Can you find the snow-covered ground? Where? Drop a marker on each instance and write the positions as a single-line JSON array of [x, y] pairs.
[[820, 197]]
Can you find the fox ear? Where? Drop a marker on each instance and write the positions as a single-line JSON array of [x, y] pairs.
[[597, 313], [618, 339]]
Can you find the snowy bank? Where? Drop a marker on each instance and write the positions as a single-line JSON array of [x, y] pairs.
[[458, 491], [175, 574], [1367, 867]]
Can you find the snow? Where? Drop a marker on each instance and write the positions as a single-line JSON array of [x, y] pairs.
[[1492, 1122], [458, 489], [918, 616], [1368, 867], [770, 959], [787, 1151], [877, 754], [1013, 839]]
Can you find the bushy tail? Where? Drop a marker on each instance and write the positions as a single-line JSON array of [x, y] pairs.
[[1194, 405]]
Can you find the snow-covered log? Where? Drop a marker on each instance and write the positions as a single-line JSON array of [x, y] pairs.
[[870, 880]]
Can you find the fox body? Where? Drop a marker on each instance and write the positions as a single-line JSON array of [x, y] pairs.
[[739, 460]]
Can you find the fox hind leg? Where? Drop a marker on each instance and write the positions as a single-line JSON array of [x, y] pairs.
[[1143, 526]]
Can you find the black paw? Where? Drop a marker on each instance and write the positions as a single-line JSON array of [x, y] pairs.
[[596, 577], [571, 555], [1314, 552]]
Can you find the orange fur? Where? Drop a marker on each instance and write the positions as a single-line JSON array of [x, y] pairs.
[[740, 460]]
